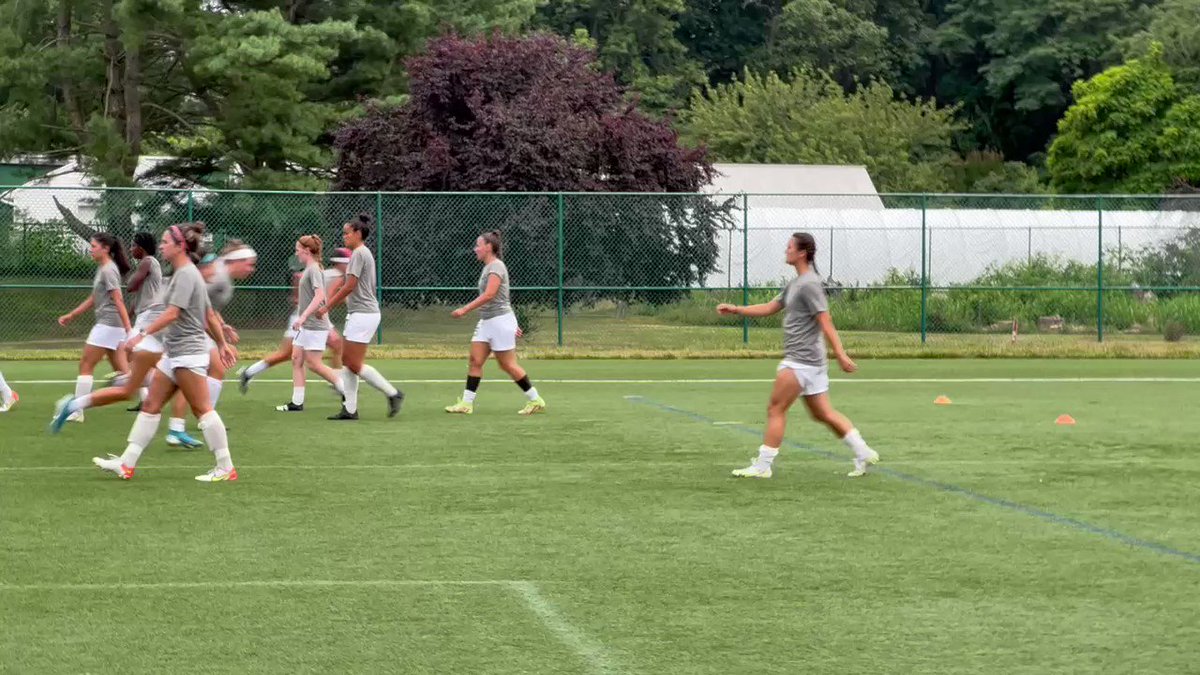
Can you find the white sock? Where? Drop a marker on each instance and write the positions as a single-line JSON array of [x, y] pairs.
[[468, 396], [855, 442], [218, 441], [83, 385], [765, 457], [81, 403], [256, 368], [350, 387], [5, 392], [375, 379], [298, 395], [120, 380], [143, 394], [532, 394], [144, 428], [214, 391], [177, 424]]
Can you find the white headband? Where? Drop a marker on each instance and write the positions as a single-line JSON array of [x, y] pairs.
[[240, 254], [339, 260]]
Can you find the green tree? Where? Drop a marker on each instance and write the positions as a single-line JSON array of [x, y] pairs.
[[1131, 129], [906, 145], [1176, 25], [635, 40]]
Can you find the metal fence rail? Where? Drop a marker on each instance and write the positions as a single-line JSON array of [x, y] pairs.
[[628, 271]]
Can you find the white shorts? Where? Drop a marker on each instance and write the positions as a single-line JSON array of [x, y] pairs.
[[311, 340], [106, 337], [149, 343], [209, 343], [500, 332], [813, 379], [197, 363], [290, 334], [361, 327]]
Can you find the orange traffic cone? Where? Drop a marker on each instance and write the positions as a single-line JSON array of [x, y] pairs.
[[941, 400], [1065, 420]]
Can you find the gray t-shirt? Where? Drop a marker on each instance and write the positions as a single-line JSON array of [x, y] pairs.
[[149, 297], [186, 335], [220, 287], [362, 298], [310, 281], [499, 305], [803, 299], [108, 279]]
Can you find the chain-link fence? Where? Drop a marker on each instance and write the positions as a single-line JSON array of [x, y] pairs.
[[628, 273]]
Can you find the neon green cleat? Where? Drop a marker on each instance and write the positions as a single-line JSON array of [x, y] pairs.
[[535, 406], [461, 407], [860, 465]]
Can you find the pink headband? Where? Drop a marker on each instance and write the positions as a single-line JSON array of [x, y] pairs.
[[177, 235]]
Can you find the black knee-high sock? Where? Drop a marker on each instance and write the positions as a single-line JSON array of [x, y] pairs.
[[473, 383], [524, 383]]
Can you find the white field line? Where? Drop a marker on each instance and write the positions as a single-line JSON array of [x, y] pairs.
[[111, 586], [585, 646], [361, 467], [839, 380]]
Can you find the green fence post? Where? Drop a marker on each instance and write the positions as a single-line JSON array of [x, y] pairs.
[[924, 270], [379, 260], [745, 265], [190, 207], [561, 214], [1099, 269]]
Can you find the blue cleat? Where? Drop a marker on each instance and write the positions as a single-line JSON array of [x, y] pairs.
[[181, 438], [62, 412]]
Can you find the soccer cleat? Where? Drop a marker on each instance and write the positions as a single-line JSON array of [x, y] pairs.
[[136, 408], [394, 403], [113, 464], [535, 406], [461, 407], [290, 407], [181, 438], [753, 471], [860, 465], [217, 475], [116, 379], [343, 415], [243, 381], [76, 417], [7, 404], [61, 414]]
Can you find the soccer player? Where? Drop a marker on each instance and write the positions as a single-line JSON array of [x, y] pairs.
[[804, 370], [312, 329], [497, 330], [362, 319], [183, 325], [146, 293], [112, 325], [8, 397], [237, 261]]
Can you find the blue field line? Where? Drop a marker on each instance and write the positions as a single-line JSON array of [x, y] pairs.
[[1047, 516]]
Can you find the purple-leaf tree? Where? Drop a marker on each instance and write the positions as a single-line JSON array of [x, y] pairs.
[[521, 116]]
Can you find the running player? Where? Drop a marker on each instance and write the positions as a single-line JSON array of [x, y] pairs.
[[497, 330], [805, 369], [362, 319], [146, 289], [8, 397], [183, 326], [237, 261], [112, 325], [312, 329]]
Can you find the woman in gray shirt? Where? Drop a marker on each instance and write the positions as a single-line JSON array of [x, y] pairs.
[[185, 326], [312, 329], [362, 320], [497, 330], [112, 325], [804, 370]]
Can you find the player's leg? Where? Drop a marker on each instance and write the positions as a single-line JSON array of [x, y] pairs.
[[312, 359], [177, 434], [8, 397], [194, 385], [475, 359], [281, 354], [821, 410], [92, 355], [141, 366], [298, 389], [508, 363], [335, 345], [783, 394], [119, 360], [162, 388]]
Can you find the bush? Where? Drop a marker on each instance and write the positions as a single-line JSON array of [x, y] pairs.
[[1174, 331]]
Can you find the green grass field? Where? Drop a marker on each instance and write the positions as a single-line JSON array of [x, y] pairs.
[[606, 535]]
